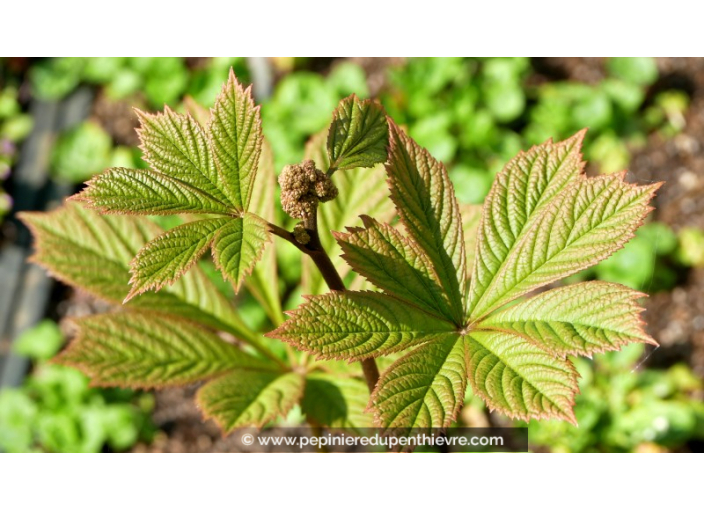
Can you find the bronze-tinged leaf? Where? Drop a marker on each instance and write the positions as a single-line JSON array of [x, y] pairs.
[[425, 200]]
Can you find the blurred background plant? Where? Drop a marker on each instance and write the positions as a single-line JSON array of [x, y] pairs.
[[55, 410], [643, 114]]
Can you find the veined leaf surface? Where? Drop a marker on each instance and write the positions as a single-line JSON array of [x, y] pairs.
[[395, 264], [580, 319], [424, 389], [358, 134], [148, 350], [83, 248], [585, 223], [358, 325], [519, 379], [263, 283], [235, 131], [250, 397], [176, 145], [238, 245], [425, 200], [138, 191], [165, 259]]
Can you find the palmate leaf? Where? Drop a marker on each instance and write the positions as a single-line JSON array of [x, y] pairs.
[[542, 221], [425, 388], [235, 132], [250, 398], [425, 200], [237, 246], [176, 145], [520, 379], [580, 319], [520, 192], [585, 223], [150, 350], [358, 325], [358, 135], [197, 171], [165, 259], [138, 191], [395, 264], [471, 215], [85, 249]]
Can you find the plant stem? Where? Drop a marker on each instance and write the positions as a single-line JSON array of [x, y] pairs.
[[314, 249]]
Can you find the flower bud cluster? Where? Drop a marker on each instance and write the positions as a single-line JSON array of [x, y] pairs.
[[302, 187]]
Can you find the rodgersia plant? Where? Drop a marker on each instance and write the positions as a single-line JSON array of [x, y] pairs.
[[443, 293]]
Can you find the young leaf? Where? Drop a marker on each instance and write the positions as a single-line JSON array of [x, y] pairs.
[[264, 280], [425, 200], [358, 325], [238, 245], [148, 350], [358, 134], [521, 380], [580, 319], [588, 221], [85, 249], [165, 259], [519, 194], [333, 401], [471, 216], [395, 264], [361, 191], [424, 389], [138, 191], [176, 145], [249, 398], [235, 132]]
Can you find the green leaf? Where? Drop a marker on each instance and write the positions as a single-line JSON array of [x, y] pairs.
[[148, 350], [165, 259], [425, 200], [138, 191], [361, 191], [263, 283], [471, 216], [520, 193], [238, 245], [235, 132], [358, 325], [249, 398], [358, 135], [579, 319], [395, 264], [587, 222], [334, 401], [424, 389], [176, 145], [519, 379], [85, 249]]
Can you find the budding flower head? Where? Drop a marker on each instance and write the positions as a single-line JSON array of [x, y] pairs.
[[302, 187]]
